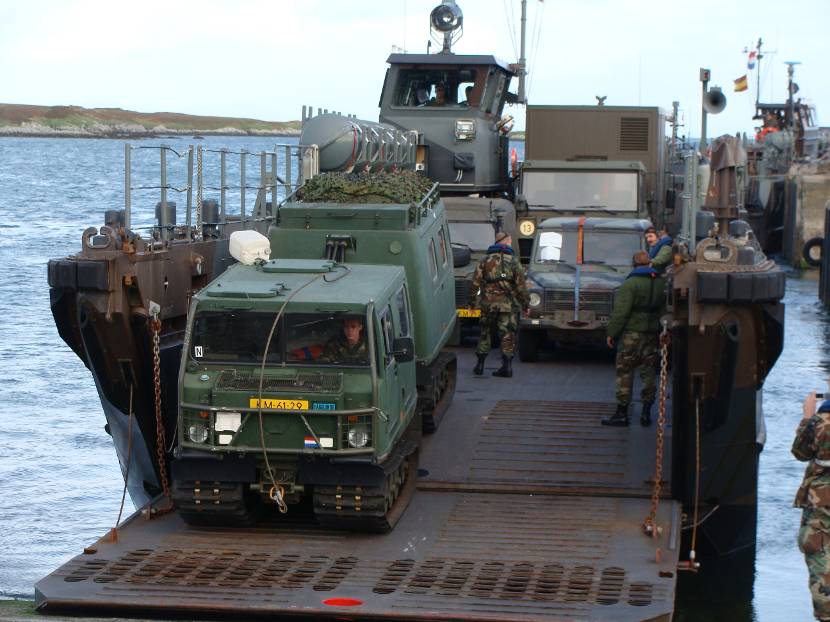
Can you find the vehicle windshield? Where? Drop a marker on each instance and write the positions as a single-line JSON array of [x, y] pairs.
[[326, 338], [568, 190], [607, 248], [239, 337], [479, 236], [234, 336]]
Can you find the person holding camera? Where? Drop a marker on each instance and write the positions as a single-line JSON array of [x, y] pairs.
[[812, 445]]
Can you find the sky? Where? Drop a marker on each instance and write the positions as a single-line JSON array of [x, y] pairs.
[[264, 59]]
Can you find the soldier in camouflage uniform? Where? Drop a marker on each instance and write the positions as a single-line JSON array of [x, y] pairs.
[[633, 328], [499, 290], [349, 346], [812, 443]]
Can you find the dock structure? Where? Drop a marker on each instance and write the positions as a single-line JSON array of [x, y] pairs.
[[526, 509]]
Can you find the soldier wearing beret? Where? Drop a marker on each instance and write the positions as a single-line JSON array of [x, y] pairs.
[[500, 291]]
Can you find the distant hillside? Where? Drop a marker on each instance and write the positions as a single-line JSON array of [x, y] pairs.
[[76, 121]]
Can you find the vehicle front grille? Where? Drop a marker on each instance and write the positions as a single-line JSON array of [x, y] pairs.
[[231, 380], [589, 300], [462, 291]]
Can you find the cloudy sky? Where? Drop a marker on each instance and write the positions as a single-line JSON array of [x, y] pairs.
[[265, 58]]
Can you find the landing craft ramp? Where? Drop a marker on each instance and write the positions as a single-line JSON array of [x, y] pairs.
[[527, 509]]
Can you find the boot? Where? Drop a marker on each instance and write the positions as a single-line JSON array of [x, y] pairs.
[[506, 369], [619, 418], [645, 416], [479, 368]]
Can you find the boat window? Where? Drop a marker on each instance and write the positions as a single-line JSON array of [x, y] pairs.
[[433, 262], [588, 190], [234, 337], [479, 236], [326, 338], [439, 87]]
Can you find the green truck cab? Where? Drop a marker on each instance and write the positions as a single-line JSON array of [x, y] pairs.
[[550, 188], [576, 266], [319, 418]]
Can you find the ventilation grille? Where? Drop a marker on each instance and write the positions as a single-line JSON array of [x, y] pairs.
[[634, 134], [230, 380]]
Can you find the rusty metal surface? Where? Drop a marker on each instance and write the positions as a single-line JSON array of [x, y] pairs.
[[453, 556]]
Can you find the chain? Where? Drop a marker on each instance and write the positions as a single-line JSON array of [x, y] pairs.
[[199, 193], [155, 328], [650, 523]]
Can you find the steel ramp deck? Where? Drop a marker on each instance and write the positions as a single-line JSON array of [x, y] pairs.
[[453, 556], [526, 509]]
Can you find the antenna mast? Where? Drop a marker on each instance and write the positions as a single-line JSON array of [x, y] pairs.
[[522, 60]]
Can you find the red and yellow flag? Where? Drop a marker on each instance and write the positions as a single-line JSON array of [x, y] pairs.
[[740, 84]]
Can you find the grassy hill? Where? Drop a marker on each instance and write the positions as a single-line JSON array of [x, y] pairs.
[[25, 120]]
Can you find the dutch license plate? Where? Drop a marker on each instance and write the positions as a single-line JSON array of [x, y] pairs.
[[275, 404], [468, 312]]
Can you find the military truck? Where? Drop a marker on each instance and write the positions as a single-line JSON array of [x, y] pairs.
[[593, 160], [576, 266], [473, 224], [276, 404]]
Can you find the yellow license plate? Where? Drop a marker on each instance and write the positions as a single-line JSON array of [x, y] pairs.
[[468, 312], [274, 404]]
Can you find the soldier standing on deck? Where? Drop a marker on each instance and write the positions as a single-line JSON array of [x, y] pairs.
[[633, 327], [659, 248], [812, 443], [499, 290]]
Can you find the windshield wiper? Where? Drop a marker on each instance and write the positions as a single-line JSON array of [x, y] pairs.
[[546, 206], [594, 261], [598, 208]]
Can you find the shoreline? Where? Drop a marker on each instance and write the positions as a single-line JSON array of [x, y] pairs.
[[6, 132]]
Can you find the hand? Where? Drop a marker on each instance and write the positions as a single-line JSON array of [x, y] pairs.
[[610, 342], [810, 405]]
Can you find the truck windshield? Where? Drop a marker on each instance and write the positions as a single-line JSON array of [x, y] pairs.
[[234, 337], [479, 236], [300, 339], [567, 190], [611, 248], [326, 338]]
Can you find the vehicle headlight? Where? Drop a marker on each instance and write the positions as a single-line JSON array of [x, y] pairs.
[[535, 299], [358, 436], [465, 129], [198, 432]]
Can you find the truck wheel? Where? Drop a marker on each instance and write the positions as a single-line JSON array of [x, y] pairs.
[[812, 251], [529, 343]]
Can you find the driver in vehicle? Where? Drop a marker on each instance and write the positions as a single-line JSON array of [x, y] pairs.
[[348, 346]]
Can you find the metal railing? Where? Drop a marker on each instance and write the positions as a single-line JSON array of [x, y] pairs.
[[281, 172]]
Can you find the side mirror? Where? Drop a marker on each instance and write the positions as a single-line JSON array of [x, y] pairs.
[[403, 349]]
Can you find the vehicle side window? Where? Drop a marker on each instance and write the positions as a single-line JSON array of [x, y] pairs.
[[433, 262], [442, 246], [388, 334], [403, 311]]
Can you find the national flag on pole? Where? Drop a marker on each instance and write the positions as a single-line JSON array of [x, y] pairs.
[[741, 84], [750, 64]]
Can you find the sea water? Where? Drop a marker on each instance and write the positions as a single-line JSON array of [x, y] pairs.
[[60, 484]]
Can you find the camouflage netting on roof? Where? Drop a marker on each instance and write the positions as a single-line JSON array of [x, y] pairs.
[[398, 187]]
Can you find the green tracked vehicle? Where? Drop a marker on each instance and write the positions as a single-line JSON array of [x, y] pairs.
[[278, 402]]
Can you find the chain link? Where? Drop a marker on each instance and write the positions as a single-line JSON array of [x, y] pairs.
[[199, 193], [155, 328], [650, 523]]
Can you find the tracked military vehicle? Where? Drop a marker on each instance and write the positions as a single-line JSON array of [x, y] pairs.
[[278, 401]]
